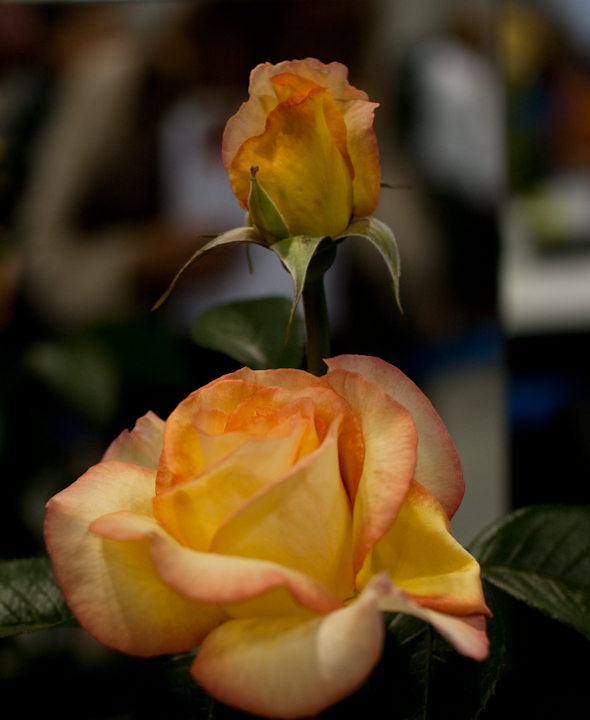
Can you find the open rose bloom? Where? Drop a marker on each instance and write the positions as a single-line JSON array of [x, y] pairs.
[[270, 520], [310, 133]]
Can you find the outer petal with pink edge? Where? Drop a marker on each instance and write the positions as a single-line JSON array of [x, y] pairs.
[[390, 458], [288, 668], [113, 587], [361, 142], [142, 446], [466, 634], [438, 466]]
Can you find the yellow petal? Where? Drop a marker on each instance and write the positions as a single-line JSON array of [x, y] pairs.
[[301, 165], [390, 458], [287, 668], [113, 587], [438, 467], [424, 560], [142, 446], [289, 384], [216, 581], [181, 456], [302, 521], [193, 511]]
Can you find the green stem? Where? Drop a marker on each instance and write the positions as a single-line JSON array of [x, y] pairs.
[[316, 323]]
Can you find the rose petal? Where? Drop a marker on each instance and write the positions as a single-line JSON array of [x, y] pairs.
[[286, 668], [193, 511], [113, 587], [250, 120], [301, 165], [302, 521], [252, 586], [289, 384], [142, 446], [390, 458], [363, 149], [289, 86], [281, 378], [466, 634], [423, 559], [438, 467], [181, 456]]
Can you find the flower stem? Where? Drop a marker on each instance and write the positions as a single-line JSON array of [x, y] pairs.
[[317, 323]]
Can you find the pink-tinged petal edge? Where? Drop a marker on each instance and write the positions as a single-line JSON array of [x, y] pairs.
[[390, 458], [361, 141], [250, 120], [288, 668], [467, 634], [113, 603], [438, 466], [142, 446]]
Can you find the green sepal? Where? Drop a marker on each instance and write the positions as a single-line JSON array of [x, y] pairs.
[[265, 215], [296, 254], [541, 555], [253, 333], [30, 598], [383, 239], [231, 237]]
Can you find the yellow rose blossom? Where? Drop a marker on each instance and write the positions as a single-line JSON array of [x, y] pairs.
[[310, 134], [270, 520]]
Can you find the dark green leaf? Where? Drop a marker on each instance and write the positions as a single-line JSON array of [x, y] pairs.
[[382, 238], [253, 332], [171, 692], [541, 555], [30, 598], [264, 213], [296, 253], [231, 237]]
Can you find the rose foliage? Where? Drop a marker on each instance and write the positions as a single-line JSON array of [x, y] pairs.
[[271, 520]]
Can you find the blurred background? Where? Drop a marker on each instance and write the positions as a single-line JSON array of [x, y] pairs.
[[111, 116]]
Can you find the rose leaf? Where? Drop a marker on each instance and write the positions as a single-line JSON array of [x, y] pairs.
[[30, 598], [170, 691], [541, 555], [383, 239], [253, 332]]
